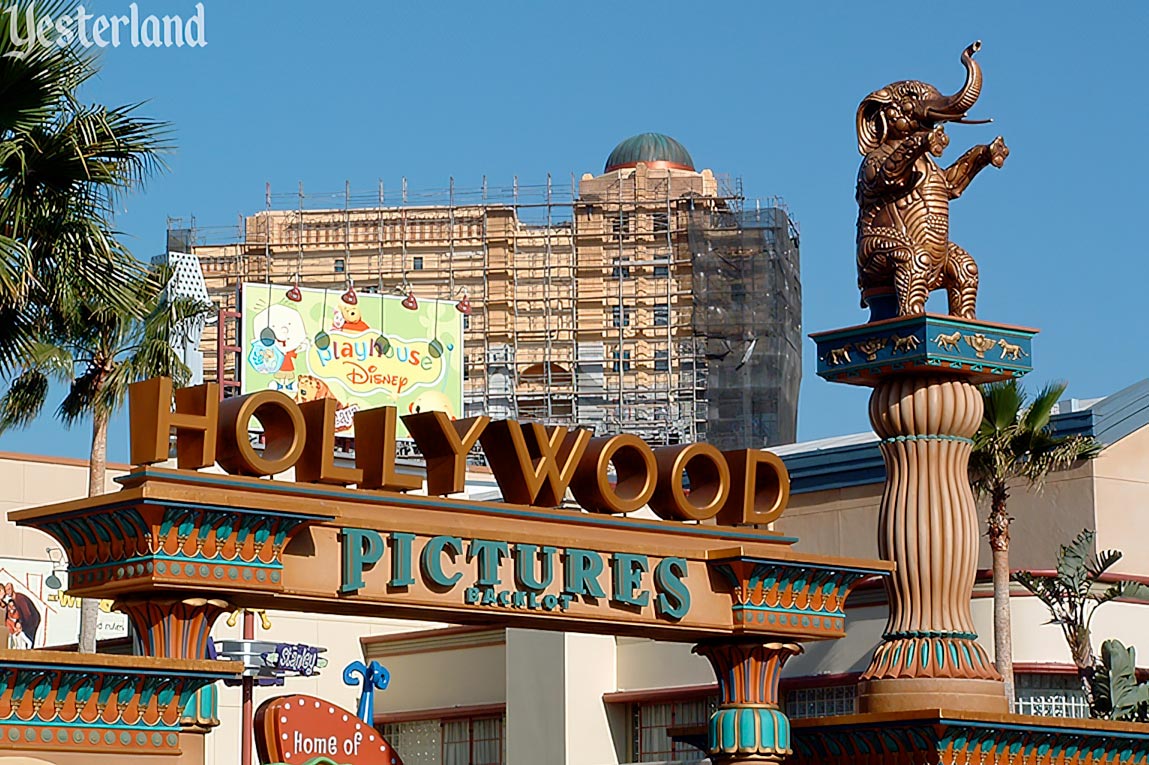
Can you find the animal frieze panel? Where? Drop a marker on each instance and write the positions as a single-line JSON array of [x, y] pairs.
[[979, 350]]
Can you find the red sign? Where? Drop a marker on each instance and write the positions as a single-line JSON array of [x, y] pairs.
[[296, 730]]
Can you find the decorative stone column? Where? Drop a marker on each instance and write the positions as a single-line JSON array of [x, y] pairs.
[[928, 526], [926, 408], [748, 726], [174, 629]]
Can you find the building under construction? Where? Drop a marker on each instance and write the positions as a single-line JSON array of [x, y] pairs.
[[650, 299]]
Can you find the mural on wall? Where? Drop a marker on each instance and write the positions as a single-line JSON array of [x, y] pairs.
[[37, 614], [363, 350]]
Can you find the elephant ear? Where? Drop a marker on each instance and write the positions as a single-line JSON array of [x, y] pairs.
[[872, 120]]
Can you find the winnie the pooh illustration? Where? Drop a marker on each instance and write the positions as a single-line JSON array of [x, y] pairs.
[[351, 316]]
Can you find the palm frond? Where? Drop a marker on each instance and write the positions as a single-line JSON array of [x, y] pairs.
[[22, 402], [1003, 402], [1038, 413]]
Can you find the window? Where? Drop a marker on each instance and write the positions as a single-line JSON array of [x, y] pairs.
[[340, 265], [660, 222], [661, 315], [738, 292], [417, 263], [662, 361], [621, 316], [473, 741], [661, 271], [650, 742], [462, 741], [1049, 695], [821, 702], [619, 272], [625, 361], [418, 743], [621, 224], [466, 321]]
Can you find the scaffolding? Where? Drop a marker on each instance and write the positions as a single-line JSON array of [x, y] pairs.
[[611, 303]]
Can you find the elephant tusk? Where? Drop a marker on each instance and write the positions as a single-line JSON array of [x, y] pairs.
[[965, 121]]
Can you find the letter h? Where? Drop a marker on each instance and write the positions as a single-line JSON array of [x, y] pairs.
[[151, 419]]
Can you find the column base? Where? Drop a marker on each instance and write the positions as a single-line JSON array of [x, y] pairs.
[[927, 655], [915, 693]]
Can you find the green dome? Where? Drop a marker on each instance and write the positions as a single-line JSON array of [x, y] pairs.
[[653, 149]]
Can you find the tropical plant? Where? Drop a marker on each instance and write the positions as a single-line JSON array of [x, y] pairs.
[[1116, 694], [97, 355], [1073, 595], [1014, 442], [63, 164]]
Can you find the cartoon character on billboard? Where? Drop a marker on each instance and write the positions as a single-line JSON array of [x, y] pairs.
[[349, 317], [265, 359], [289, 339], [21, 618], [311, 388]]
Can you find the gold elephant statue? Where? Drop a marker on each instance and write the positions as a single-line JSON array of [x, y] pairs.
[[904, 250]]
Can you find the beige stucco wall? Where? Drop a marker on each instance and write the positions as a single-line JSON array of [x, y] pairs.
[[33, 481], [845, 521], [1122, 490], [645, 664]]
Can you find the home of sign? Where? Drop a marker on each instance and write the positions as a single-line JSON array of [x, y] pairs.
[[176, 548]]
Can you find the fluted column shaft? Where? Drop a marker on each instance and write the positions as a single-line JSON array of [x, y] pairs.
[[928, 527]]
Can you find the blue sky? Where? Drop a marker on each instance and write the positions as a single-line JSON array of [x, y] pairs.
[[328, 92]]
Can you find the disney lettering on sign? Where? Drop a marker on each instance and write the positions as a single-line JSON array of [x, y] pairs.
[[359, 351]]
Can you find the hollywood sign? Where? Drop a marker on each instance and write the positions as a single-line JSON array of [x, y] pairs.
[[534, 465], [364, 538]]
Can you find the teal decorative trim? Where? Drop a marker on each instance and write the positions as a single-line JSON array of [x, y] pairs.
[[927, 437], [183, 542], [929, 634], [777, 597], [975, 350], [749, 730], [909, 654], [93, 707], [949, 741]]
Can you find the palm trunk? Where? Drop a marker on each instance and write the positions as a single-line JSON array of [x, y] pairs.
[[97, 470], [1002, 628]]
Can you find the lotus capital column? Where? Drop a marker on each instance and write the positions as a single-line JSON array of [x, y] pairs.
[[748, 726]]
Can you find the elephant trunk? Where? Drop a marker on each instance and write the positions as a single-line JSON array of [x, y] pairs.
[[954, 107]]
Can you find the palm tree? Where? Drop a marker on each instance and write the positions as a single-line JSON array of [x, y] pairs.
[[62, 165], [1014, 442], [1073, 595], [98, 355]]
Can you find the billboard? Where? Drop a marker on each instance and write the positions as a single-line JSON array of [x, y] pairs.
[[363, 350], [38, 613]]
